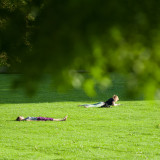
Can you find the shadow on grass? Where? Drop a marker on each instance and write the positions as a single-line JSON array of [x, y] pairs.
[[52, 96], [45, 94]]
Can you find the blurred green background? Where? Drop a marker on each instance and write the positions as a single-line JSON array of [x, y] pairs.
[[67, 38]]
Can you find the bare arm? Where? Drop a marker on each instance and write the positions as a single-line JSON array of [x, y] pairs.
[[114, 104]]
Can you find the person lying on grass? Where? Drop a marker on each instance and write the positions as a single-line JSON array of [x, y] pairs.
[[110, 102], [20, 118]]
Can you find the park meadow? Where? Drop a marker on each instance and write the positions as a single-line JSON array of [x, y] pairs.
[[127, 132]]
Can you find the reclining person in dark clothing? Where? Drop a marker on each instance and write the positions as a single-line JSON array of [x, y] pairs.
[[20, 118], [110, 102]]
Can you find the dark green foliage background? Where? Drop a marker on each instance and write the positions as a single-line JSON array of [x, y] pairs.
[[61, 37]]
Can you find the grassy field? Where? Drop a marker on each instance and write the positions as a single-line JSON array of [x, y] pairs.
[[127, 132]]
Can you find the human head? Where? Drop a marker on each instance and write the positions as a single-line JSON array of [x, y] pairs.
[[115, 97], [20, 118]]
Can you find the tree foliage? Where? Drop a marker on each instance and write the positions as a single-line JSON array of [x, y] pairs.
[[61, 37]]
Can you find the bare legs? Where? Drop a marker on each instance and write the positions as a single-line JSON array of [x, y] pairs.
[[64, 119]]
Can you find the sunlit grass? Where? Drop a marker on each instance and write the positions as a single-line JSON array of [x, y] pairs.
[[129, 131]]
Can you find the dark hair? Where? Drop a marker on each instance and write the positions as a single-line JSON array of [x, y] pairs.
[[17, 119]]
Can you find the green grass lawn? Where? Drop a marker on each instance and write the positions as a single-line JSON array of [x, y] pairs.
[[129, 131]]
